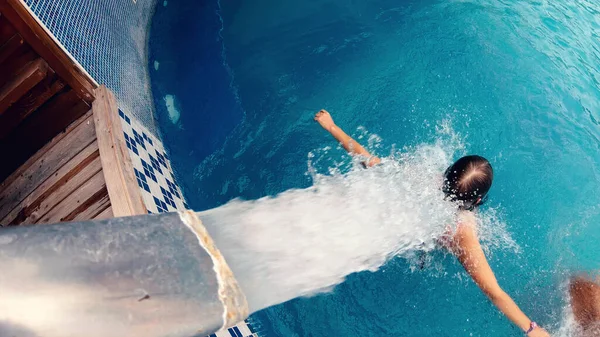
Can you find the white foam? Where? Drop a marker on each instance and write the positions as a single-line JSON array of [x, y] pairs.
[[156, 65], [305, 241]]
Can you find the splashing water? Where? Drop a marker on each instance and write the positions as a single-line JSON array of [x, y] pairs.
[[306, 241]]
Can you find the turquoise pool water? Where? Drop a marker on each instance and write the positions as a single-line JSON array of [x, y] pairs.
[[519, 82]]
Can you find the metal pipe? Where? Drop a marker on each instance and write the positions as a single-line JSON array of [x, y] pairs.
[[152, 276]]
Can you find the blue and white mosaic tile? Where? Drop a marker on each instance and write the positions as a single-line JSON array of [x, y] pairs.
[[160, 191], [152, 169], [241, 330]]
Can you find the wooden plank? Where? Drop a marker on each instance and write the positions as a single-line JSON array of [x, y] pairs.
[[63, 191], [56, 156], [10, 47], [41, 153], [91, 208], [125, 195], [54, 187], [39, 128], [35, 98], [64, 209], [40, 39], [106, 214], [25, 80]]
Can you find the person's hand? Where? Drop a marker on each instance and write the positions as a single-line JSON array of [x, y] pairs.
[[539, 332], [324, 118]]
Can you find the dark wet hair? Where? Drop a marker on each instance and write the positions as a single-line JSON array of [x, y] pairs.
[[468, 181], [584, 304]]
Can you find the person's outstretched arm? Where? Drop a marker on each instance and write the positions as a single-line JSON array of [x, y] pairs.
[[353, 147], [468, 250]]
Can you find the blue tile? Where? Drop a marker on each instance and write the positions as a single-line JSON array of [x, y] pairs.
[[141, 180], [147, 138], [168, 197], [173, 188], [161, 158], [121, 114], [148, 170], [139, 139], [155, 164], [160, 205], [140, 175], [147, 166], [130, 143], [144, 185], [127, 120], [140, 183], [237, 331], [250, 326]]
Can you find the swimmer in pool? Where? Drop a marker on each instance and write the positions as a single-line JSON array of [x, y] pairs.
[[467, 182]]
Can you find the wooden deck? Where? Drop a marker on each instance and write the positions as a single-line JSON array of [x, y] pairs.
[[62, 146]]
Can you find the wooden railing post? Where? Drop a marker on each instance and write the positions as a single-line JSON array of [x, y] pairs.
[[125, 195]]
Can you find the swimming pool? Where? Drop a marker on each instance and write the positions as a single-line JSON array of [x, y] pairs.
[[518, 81]]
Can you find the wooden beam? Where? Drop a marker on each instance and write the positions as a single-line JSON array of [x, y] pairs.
[[36, 35], [10, 47], [34, 99], [19, 85], [125, 195], [16, 62], [39, 167]]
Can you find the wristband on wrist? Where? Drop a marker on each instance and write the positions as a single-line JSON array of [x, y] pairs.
[[532, 327]]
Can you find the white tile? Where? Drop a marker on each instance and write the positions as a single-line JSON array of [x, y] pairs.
[[244, 329]]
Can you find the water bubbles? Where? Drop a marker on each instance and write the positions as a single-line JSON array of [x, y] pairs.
[[305, 241]]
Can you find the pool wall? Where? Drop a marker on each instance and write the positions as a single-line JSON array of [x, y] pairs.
[[109, 39]]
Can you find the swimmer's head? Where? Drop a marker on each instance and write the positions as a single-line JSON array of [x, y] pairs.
[[468, 181], [585, 304]]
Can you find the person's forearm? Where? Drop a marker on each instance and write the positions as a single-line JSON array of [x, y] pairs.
[[506, 304], [353, 147], [347, 142]]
